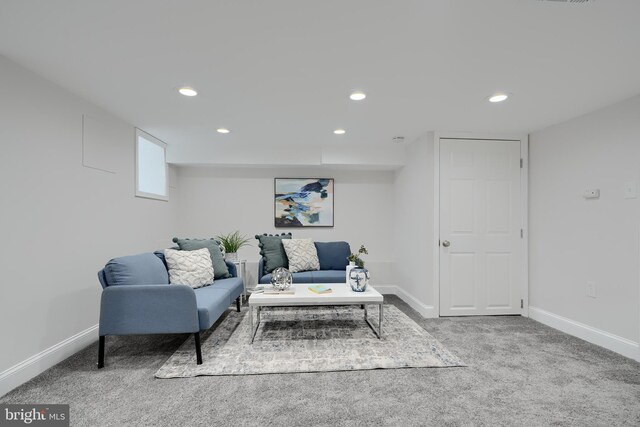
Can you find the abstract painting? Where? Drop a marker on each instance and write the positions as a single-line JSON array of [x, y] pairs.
[[304, 202]]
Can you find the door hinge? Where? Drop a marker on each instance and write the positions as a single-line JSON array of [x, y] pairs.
[[521, 163], [521, 233], [521, 303]]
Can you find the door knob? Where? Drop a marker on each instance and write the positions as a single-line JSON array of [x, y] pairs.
[[446, 243]]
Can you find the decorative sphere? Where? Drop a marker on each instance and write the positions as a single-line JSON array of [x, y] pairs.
[[359, 279], [281, 279]]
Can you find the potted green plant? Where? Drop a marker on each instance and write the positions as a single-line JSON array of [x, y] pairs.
[[354, 258], [232, 242]]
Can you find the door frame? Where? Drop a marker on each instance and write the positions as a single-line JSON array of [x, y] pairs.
[[524, 201]]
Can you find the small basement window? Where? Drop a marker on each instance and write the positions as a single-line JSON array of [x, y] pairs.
[[151, 167]]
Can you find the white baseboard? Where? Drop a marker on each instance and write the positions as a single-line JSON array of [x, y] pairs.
[[38, 363], [595, 336], [424, 310]]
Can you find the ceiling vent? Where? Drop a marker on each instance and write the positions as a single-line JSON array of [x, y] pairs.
[[566, 1]]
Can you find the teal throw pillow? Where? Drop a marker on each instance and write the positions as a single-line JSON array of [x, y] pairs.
[[220, 270], [272, 251]]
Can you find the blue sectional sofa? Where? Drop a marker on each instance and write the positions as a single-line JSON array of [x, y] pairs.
[[138, 299], [333, 265]]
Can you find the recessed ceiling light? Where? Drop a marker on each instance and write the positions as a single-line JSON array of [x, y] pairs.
[[358, 96], [498, 97], [187, 91], [339, 131], [223, 130]]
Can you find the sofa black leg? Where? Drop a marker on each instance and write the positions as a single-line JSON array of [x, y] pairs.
[[101, 352], [238, 304], [198, 349]]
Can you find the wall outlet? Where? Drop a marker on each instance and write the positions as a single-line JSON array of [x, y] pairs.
[[630, 190], [591, 289]]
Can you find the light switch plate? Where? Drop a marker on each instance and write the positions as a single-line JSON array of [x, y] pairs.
[[591, 194]]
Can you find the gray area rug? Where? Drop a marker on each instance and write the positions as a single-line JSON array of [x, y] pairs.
[[310, 339]]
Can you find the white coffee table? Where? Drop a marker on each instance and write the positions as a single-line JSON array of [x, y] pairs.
[[341, 294]]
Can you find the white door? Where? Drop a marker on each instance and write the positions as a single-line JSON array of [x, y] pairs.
[[480, 227]]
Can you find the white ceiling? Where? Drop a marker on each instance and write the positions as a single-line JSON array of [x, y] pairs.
[[278, 73]]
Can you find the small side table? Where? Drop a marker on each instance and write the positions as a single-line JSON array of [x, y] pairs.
[[241, 267]]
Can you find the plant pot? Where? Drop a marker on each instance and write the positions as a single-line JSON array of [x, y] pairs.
[[231, 256]]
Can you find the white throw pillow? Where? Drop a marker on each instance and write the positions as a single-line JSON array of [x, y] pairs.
[[191, 268], [302, 255]]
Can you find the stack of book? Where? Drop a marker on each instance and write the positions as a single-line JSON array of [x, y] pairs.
[[271, 291], [320, 289], [268, 290]]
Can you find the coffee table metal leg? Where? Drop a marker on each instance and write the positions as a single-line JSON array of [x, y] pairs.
[[254, 330], [373, 328], [380, 322]]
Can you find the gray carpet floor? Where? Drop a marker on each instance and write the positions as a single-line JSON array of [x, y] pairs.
[[520, 373]]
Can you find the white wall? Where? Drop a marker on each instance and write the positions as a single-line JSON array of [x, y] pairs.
[[236, 154], [61, 221], [413, 227], [573, 240], [218, 200]]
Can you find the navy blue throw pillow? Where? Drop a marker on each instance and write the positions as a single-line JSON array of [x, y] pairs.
[[333, 255]]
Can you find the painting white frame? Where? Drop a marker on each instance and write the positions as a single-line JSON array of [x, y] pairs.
[[333, 203]]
